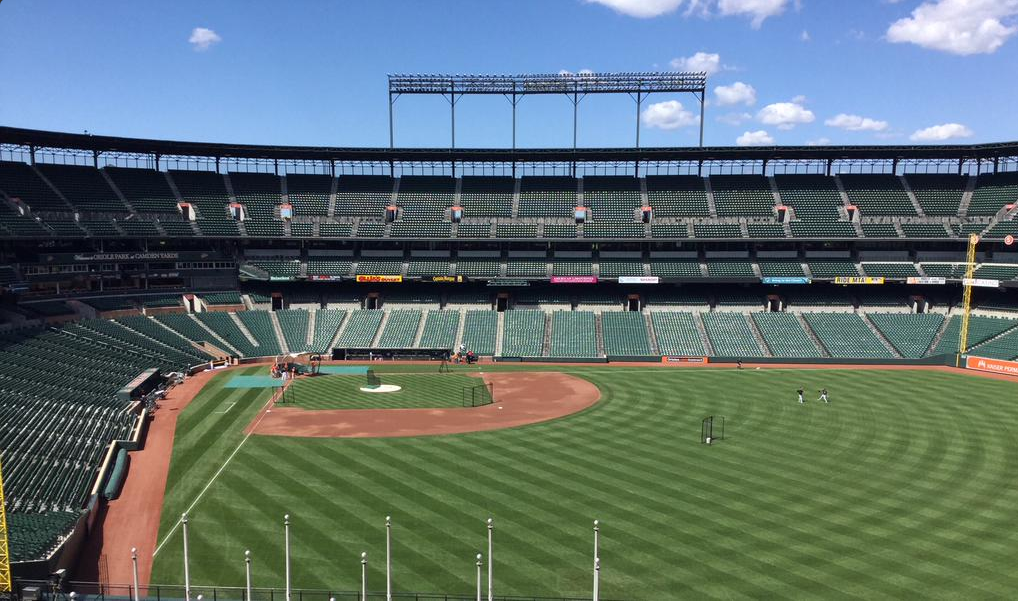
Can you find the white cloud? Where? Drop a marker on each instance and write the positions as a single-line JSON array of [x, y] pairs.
[[757, 9], [804, 36], [642, 9], [753, 139], [820, 142], [856, 123], [941, 132], [668, 115], [202, 38], [734, 119], [786, 115], [701, 61], [736, 94], [962, 27]]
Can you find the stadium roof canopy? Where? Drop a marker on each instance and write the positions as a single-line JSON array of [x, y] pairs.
[[97, 144]]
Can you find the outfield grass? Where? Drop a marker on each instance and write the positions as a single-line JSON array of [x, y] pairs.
[[344, 391], [902, 488]]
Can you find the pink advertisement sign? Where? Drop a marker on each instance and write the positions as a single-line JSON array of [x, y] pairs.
[[575, 279]]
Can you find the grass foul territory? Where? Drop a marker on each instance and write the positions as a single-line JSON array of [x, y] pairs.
[[903, 487]]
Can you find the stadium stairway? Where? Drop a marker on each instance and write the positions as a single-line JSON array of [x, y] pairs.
[[812, 335], [243, 328], [1001, 346], [702, 331], [651, 335], [283, 345], [381, 329], [500, 333], [755, 329], [880, 335], [309, 337]]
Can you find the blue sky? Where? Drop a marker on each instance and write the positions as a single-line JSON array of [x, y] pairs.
[[313, 72]]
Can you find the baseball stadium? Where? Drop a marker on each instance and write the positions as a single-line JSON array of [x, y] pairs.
[[258, 371]]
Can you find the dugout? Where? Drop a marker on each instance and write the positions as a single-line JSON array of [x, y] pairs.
[[391, 354]]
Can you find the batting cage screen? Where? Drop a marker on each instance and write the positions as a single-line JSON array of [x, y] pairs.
[[373, 380], [476, 396], [712, 428]]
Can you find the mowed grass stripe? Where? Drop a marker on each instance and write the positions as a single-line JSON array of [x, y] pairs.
[[344, 392], [884, 494]]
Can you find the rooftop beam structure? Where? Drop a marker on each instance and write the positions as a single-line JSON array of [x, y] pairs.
[[575, 86]]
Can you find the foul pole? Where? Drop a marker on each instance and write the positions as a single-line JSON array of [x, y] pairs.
[[970, 268], [5, 560]]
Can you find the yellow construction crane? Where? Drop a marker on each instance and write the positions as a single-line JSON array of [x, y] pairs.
[[5, 559], [970, 269]]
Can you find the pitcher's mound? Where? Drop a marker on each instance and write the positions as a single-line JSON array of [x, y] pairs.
[[382, 388]]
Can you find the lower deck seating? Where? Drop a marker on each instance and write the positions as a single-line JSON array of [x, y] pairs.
[[440, 328], [846, 335], [480, 331], [981, 329], [573, 334], [677, 334], [294, 324], [327, 323], [785, 336], [523, 334], [360, 329], [400, 329], [730, 335], [911, 335], [625, 334]]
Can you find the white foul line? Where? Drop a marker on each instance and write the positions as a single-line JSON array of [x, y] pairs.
[[269, 403]]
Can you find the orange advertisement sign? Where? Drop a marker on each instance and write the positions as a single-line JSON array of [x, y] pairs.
[[379, 278], [991, 365], [674, 359]]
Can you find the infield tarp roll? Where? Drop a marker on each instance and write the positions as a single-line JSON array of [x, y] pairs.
[[117, 475]]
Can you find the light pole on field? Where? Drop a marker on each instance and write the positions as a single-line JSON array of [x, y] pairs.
[[388, 558], [478, 577], [364, 576], [491, 528], [187, 565], [247, 573], [134, 570], [286, 541]]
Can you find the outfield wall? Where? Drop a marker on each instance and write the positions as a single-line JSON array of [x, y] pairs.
[[948, 360]]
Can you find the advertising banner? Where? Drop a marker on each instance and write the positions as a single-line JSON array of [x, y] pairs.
[[574, 279], [786, 280], [698, 360], [859, 280], [325, 277], [991, 365], [981, 282], [639, 279], [445, 279], [508, 283], [926, 281], [379, 278]]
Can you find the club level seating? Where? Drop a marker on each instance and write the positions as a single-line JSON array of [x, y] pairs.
[[309, 193], [294, 324], [573, 334], [264, 228], [742, 195], [773, 268], [417, 268], [738, 297], [360, 329], [674, 196], [415, 229], [822, 230], [993, 192], [363, 195], [572, 268], [680, 297], [523, 334], [846, 335], [487, 196], [400, 329], [1003, 229], [302, 229], [925, 231], [560, 231], [675, 268], [343, 229], [102, 228], [944, 269], [785, 335], [65, 227], [880, 230], [870, 298], [732, 268], [480, 330], [669, 231], [518, 230], [1003, 347], [999, 302], [106, 304], [18, 180], [440, 328], [625, 334], [548, 196], [877, 194], [135, 226], [730, 335], [677, 334], [84, 187], [425, 198], [477, 268], [964, 230], [468, 230], [369, 229], [220, 226], [892, 270], [765, 230], [526, 268], [911, 335], [828, 269], [938, 194], [706, 230], [327, 323], [1002, 272], [612, 197], [54, 308], [177, 227], [379, 267], [614, 230], [145, 190], [278, 268], [621, 268], [981, 329], [813, 197], [221, 298]]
